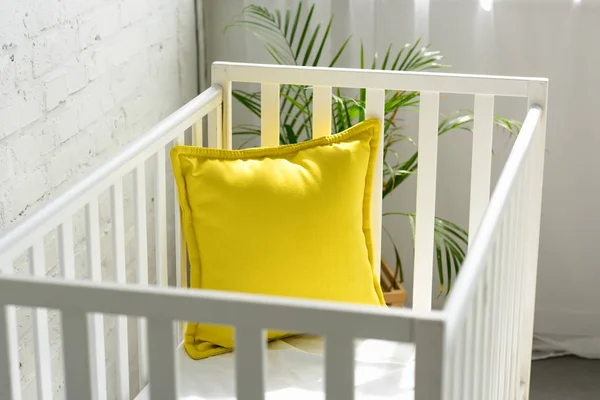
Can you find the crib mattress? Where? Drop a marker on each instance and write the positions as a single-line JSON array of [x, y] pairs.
[[383, 371]]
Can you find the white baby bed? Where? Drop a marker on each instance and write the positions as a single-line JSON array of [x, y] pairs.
[[477, 347]]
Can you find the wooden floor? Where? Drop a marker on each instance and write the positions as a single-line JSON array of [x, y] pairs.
[[565, 378]]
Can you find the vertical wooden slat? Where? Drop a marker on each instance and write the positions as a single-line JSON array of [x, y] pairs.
[[480, 350], [269, 115], [321, 111], [430, 357], [227, 127], [181, 269], [180, 251], [67, 260], [160, 216], [487, 336], [118, 222], [163, 372], [197, 133], [449, 370], [139, 185], [339, 367], [523, 344], [375, 99], [426, 189], [459, 365], [10, 383], [481, 165], [77, 362], [468, 371], [495, 338], [506, 284], [511, 293], [538, 97], [516, 328], [250, 367], [215, 128], [96, 332], [223, 113], [500, 346], [40, 328]]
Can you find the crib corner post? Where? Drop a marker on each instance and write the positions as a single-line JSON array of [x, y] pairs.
[[223, 138], [430, 358], [537, 97]]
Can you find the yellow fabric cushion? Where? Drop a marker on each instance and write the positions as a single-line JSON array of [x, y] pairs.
[[292, 220]]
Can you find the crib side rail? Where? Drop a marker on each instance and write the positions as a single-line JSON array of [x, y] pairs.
[[58, 217], [23, 234], [249, 314], [490, 311]]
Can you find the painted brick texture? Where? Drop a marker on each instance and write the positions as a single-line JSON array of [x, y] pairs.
[[78, 80]]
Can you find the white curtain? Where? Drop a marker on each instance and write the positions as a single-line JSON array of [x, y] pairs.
[[550, 38]]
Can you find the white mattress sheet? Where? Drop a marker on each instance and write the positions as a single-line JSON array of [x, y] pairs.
[[383, 371]]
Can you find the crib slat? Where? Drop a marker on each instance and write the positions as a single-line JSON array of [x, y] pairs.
[[96, 320], [250, 367], [479, 350], [430, 358], [197, 133], [495, 325], [481, 165], [215, 128], [77, 362], [509, 318], [339, 367], [375, 108], [516, 305], [67, 261], [521, 276], [469, 353], [118, 222], [321, 111], [459, 364], [449, 371], [507, 267], [163, 363], [40, 328], [426, 188], [181, 269], [180, 252], [10, 383], [139, 194], [500, 260], [160, 215], [487, 333], [269, 115]]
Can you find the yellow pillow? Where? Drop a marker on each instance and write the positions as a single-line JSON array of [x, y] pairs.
[[292, 220]]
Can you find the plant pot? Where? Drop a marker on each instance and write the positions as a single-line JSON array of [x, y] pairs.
[[393, 291], [396, 298]]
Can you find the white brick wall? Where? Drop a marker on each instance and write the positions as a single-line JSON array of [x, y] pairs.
[[78, 79]]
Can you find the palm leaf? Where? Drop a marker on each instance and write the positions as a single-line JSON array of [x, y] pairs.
[[450, 243], [293, 39], [463, 119], [399, 272], [249, 100]]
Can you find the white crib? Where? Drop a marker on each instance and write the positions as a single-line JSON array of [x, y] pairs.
[[477, 347]]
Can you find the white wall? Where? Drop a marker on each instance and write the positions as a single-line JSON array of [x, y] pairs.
[[79, 79], [554, 39]]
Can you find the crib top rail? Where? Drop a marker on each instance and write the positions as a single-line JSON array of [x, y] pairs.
[[215, 307], [378, 79], [17, 238]]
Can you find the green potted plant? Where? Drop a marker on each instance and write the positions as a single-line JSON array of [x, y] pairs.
[[293, 37]]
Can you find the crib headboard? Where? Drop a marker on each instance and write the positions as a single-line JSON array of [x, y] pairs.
[[430, 85], [224, 74]]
